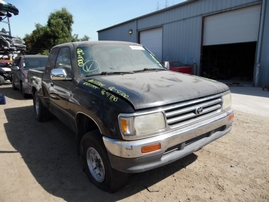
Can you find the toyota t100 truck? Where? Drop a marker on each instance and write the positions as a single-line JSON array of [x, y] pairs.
[[128, 112]]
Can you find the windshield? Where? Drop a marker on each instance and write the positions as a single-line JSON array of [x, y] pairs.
[[110, 58], [30, 63]]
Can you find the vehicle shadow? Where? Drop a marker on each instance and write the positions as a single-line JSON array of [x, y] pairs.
[[8, 92], [48, 150]]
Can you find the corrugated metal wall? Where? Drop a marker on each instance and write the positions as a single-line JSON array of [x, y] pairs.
[[182, 40], [120, 33], [263, 73], [182, 27]]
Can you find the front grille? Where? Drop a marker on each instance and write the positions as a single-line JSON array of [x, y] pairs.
[[189, 112]]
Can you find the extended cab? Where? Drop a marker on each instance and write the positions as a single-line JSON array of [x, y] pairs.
[[129, 113]]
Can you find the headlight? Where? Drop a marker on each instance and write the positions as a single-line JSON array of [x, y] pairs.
[[226, 101], [141, 124]]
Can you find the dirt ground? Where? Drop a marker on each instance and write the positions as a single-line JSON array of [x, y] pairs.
[[38, 162]]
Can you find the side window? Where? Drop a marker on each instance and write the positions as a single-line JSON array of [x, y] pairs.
[[51, 60], [63, 61], [16, 62]]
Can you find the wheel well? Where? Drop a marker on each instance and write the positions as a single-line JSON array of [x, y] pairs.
[[84, 125]]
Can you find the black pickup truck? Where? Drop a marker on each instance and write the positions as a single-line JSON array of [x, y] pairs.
[[129, 113]]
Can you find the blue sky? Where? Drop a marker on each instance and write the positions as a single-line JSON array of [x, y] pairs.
[[89, 15]]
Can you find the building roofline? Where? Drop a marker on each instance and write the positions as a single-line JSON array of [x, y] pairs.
[[149, 14]]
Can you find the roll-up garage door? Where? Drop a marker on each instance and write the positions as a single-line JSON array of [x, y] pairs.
[[152, 39], [237, 26]]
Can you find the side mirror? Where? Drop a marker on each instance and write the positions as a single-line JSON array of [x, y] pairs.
[[2, 99], [15, 68], [59, 75], [166, 64]]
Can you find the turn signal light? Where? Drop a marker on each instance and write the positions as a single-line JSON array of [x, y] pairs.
[[231, 117], [151, 148], [124, 125]]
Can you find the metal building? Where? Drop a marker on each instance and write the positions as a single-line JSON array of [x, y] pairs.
[[226, 39]]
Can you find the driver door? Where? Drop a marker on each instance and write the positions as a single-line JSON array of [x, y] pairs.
[[60, 91]]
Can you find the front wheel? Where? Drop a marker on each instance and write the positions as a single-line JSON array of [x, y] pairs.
[[41, 113], [96, 164], [13, 84], [22, 91]]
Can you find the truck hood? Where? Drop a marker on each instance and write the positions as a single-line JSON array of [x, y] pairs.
[[152, 89]]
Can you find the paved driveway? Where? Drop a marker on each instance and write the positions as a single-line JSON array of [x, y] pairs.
[[250, 100]]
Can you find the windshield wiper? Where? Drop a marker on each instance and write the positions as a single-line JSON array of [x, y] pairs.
[[130, 72], [108, 73], [150, 69]]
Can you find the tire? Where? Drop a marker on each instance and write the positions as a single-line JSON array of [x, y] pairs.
[[96, 164], [2, 80], [13, 84], [22, 91], [41, 113]]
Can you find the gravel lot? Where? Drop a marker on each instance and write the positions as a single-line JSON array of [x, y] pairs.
[[38, 161]]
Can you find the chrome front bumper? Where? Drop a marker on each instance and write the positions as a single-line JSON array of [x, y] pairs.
[[126, 156]]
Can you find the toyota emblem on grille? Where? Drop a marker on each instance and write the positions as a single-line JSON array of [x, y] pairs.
[[199, 110]]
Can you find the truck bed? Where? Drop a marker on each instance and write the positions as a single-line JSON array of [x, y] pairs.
[[35, 77]]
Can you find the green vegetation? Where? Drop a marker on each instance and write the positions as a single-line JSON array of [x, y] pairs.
[[58, 30]]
